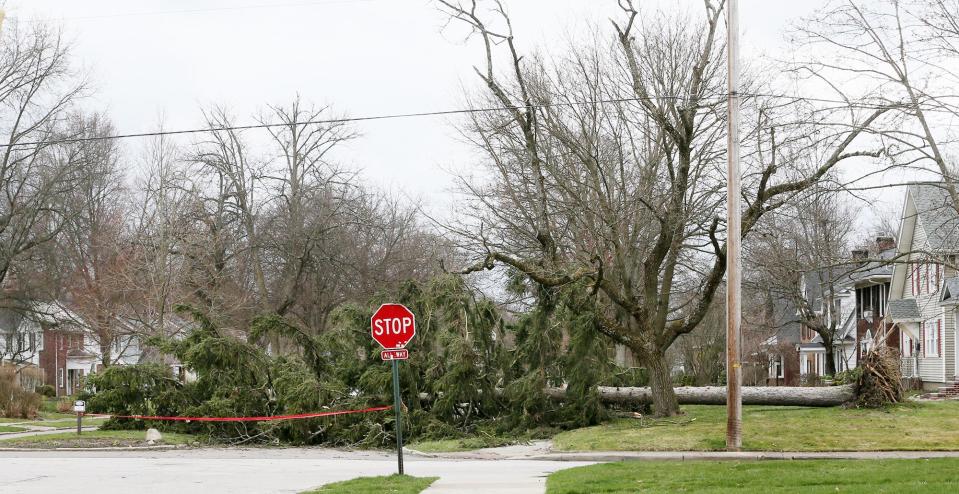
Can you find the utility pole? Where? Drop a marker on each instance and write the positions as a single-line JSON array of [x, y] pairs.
[[734, 371]]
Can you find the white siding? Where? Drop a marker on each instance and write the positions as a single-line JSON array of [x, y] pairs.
[[949, 343], [931, 368]]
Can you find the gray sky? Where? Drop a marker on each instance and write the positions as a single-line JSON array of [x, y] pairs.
[[363, 57]]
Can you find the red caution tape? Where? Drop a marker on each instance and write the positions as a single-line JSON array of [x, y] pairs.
[[243, 419]]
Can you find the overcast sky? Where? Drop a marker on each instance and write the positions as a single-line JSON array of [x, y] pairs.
[[363, 57]]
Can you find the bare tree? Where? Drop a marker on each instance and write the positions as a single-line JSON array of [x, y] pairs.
[[315, 199], [94, 248], [801, 255], [160, 225], [904, 53], [607, 172], [224, 248], [37, 89]]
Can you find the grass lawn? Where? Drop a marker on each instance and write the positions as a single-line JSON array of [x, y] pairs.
[[392, 484], [70, 422], [93, 439], [7, 428], [768, 477], [463, 444], [908, 426], [57, 415], [5, 420]]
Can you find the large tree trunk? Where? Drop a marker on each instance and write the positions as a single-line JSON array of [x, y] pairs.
[[661, 384], [825, 396], [830, 356]]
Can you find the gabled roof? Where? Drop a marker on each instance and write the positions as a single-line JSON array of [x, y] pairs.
[[949, 295], [904, 310], [937, 215], [52, 313], [845, 333], [927, 206], [847, 277], [881, 269]]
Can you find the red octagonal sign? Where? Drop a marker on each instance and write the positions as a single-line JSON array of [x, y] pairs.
[[393, 326]]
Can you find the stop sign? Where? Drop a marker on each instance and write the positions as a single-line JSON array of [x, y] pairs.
[[393, 326]]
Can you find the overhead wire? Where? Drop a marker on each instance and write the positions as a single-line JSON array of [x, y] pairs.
[[393, 116]]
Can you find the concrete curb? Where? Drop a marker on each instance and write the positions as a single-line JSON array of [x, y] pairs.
[[107, 448], [610, 456], [419, 453]]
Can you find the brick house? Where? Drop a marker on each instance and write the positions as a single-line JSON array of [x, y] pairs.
[[47, 337], [50, 337], [855, 297]]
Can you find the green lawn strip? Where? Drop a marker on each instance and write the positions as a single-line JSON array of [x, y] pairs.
[[57, 415], [768, 477], [97, 438], [392, 484], [72, 422], [930, 426], [464, 444], [7, 428]]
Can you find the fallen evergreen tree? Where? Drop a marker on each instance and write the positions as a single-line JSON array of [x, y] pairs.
[[549, 376], [459, 356]]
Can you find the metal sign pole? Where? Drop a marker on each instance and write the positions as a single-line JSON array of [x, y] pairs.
[[397, 406], [79, 422]]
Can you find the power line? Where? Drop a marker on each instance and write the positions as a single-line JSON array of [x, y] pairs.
[[718, 98], [207, 10]]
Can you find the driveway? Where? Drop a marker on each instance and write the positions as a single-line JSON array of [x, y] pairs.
[[259, 470]]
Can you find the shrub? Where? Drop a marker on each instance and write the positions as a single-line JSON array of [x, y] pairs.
[[16, 402], [847, 376], [64, 405], [685, 380], [47, 391], [631, 377]]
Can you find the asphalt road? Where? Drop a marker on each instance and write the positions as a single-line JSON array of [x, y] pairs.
[[235, 471]]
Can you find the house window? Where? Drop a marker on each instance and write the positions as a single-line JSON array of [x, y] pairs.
[[931, 339], [60, 383], [33, 342], [39, 342]]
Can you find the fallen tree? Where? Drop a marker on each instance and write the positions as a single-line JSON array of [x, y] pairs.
[[826, 396]]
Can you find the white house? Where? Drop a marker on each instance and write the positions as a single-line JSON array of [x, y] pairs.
[[924, 285]]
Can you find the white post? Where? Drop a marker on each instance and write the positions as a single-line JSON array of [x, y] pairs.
[[734, 399]]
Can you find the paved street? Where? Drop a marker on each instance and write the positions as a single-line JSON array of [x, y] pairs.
[[235, 471]]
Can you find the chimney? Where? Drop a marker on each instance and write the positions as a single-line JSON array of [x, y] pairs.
[[860, 254], [885, 243]]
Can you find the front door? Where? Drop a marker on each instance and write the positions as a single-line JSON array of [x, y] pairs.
[[74, 381]]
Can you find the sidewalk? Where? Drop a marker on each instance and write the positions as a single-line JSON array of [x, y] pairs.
[[40, 432]]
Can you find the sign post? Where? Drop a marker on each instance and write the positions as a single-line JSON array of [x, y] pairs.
[[393, 326], [79, 406], [398, 407]]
